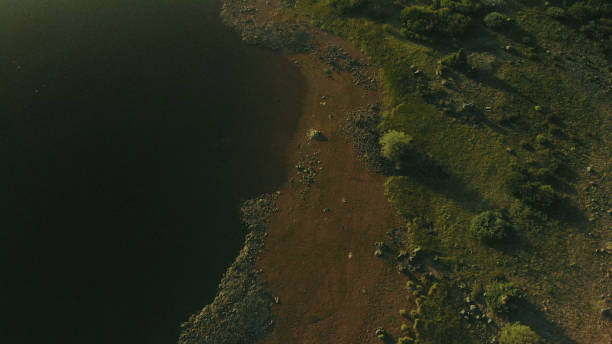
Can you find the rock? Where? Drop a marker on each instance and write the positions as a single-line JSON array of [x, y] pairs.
[[277, 300], [315, 135], [590, 169]]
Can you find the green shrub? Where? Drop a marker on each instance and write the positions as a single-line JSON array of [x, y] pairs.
[[556, 12], [395, 146], [420, 19], [580, 11], [403, 312], [453, 23], [529, 188], [461, 6], [496, 20], [404, 328], [518, 334], [501, 297], [489, 226]]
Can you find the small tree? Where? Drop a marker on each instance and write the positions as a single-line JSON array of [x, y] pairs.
[[518, 334], [489, 226], [394, 146]]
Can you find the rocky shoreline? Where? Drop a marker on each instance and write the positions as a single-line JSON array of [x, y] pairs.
[[287, 37], [240, 313]]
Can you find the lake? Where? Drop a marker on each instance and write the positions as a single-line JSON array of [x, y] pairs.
[[130, 133]]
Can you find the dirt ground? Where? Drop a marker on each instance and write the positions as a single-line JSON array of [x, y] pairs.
[[318, 258]]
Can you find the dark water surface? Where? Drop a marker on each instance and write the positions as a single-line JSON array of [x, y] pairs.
[[130, 132]]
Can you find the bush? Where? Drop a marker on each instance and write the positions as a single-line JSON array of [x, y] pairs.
[[395, 146], [417, 20], [529, 188], [501, 297], [518, 334], [496, 20], [453, 23], [420, 19], [489, 226], [461, 6], [556, 12]]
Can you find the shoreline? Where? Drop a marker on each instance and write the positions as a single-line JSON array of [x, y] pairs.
[[244, 306]]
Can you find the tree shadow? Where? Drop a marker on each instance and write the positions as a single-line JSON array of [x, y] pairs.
[[567, 211], [517, 241], [427, 172], [528, 314]]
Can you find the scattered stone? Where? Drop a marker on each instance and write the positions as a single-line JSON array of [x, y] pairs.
[[277, 300], [378, 252], [362, 130]]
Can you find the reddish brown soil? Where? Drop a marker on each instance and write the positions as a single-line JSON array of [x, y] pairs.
[[325, 296]]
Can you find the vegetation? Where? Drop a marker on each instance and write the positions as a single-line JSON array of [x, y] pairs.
[[489, 226], [518, 334], [437, 321], [512, 112], [496, 20], [501, 297]]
